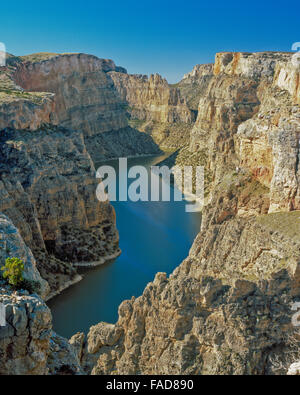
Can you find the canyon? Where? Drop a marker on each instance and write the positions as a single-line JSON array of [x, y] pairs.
[[226, 309]]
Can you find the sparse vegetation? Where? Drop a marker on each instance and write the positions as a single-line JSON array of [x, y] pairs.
[[13, 274], [13, 271]]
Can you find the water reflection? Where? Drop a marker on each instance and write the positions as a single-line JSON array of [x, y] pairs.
[[154, 236]]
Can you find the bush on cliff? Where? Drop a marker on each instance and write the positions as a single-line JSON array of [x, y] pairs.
[[13, 271], [13, 274]]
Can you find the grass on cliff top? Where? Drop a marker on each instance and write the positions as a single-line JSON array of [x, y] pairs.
[[40, 56], [9, 92], [287, 223], [8, 96]]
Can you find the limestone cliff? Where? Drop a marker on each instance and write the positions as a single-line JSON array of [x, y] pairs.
[[20, 109], [194, 84], [155, 107], [56, 112], [85, 98], [48, 189], [28, 346], [227, 308], [74, 91]]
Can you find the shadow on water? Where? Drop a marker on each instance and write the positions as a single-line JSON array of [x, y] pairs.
[[154, 237]]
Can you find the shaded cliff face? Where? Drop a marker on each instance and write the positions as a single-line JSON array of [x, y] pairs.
[[28, 346], [74, 91], [24, 340], [151, 98], [47, 177], [48, 189], [20, 109], [227, 308], [194, 84], [155, 107]]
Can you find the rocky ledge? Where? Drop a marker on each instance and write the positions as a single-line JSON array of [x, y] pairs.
[[227, 309], [47, 187]]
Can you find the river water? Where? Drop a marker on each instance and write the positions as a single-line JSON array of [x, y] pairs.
[[154, 237]]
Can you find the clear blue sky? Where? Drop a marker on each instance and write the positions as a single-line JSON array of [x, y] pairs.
[[166, 37]]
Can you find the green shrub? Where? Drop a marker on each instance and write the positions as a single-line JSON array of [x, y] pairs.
[[13, 271]]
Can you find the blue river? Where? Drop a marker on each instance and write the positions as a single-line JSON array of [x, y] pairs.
[[154, 237]]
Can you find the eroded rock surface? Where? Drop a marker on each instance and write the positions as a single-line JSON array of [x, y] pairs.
[[155, 107], [74, 91], [48, 189], [227, 308], [24, 340]]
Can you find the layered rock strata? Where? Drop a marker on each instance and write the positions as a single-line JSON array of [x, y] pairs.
[[28, 346], [227, 308], [48, 189], [155, 107], [71, 90]]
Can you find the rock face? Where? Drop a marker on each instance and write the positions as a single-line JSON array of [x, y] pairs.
[[155, 107], [48, 189], [12, 245], [24, 340], [27, 344], [85, 98], [62, 359], [227, 308], [20, 109], [151, 98], [71, 90], [194, 84]]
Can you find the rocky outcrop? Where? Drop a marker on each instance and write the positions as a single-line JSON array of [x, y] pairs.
[[227, 308], [24, 340], [62, 358], [28, 346], [85, 98], [194, 84], [151, 99], [71, 90], [48, 189], [155, 107], [12, 245]]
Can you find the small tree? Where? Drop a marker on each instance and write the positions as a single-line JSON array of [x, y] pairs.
[[13, 271]]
